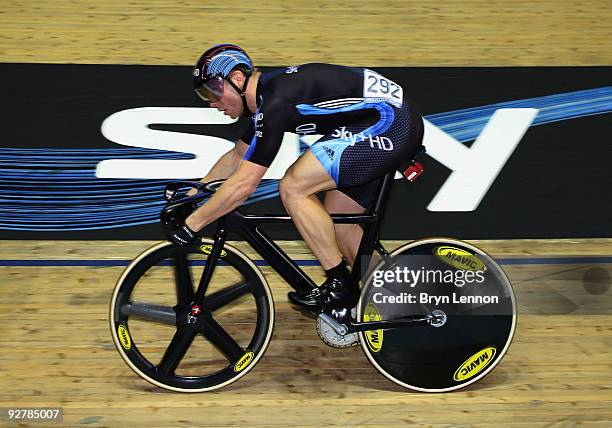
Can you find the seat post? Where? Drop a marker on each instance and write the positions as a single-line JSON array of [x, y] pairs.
[[369, 240], [383, 193]]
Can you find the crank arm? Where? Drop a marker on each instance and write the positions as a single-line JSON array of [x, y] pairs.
[[395, 323]]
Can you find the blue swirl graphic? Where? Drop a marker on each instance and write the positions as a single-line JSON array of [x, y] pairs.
[[57, 190]]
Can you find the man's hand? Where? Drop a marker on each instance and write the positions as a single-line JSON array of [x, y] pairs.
[[182, 236], [230, 195]]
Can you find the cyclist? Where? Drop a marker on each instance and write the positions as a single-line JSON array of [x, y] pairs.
[[369, 128]]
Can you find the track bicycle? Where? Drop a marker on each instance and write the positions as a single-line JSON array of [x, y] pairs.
[[197, 318]]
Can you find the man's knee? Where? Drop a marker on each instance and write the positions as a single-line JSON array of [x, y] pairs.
[[289, 188]]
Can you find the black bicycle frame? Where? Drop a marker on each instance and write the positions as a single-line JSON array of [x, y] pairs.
[[248, 227]]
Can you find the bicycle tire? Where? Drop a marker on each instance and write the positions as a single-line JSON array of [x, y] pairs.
[[467, 347], [153, 266]]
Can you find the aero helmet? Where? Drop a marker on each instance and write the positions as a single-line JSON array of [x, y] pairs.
[[214, 67]]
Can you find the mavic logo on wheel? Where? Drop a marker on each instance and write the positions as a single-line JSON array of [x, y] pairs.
[[459, 258], [207, 249], [374, 338], [244, 362], [475, 364], [124, 337]]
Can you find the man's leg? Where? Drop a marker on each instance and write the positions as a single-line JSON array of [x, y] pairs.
[[298, 189], [348, 235]]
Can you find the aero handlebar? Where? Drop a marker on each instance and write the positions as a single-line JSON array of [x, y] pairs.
[[179, 204]]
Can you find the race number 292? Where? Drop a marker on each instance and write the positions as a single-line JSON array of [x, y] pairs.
[[377, 87], [31, 414]]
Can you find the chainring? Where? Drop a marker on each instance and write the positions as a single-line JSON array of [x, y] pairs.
[[329, 336]]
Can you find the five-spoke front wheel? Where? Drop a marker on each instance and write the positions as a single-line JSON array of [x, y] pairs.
[[174, 345]]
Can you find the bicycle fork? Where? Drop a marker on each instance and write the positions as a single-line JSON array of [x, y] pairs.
[[211, 264]]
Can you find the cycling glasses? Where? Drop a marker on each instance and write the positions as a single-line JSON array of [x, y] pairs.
[[211, 89]]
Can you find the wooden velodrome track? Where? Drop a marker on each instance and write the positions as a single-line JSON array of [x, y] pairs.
[[56, 346]]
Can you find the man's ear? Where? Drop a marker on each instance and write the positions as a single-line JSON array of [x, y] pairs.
[[237, 77]]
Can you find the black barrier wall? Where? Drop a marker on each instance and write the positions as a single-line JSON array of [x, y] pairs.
[[542, 136]]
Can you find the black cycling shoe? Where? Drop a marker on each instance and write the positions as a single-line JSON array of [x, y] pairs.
[[309, 300], [333, 294]]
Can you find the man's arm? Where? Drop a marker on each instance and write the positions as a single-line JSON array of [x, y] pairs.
[[225, 166], [232, 193]]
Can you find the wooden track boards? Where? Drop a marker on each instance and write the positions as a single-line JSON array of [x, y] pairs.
[[57, 350], [56, 347], [365, 33]]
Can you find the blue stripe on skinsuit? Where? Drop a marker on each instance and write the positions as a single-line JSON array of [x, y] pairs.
[[251, 148], [338, 145]]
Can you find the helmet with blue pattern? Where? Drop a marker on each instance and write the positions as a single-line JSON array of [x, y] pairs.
[[214, 67]]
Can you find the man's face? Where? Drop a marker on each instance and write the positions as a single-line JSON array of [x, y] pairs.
[[230, 103]]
